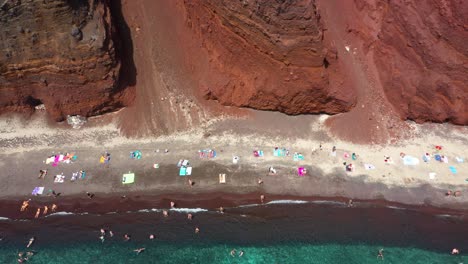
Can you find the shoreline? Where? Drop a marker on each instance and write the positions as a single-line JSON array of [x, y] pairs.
[[103, 204]]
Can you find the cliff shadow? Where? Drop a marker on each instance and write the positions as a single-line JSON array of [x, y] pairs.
[[124, 50]]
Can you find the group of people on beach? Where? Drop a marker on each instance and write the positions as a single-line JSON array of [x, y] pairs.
[[24, 207]]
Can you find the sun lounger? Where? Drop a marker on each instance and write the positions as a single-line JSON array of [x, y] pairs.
[[222, 178]]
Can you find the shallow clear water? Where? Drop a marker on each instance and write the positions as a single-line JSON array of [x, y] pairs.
[[294, 233]]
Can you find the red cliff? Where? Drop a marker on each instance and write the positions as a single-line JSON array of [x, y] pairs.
[[58, 53]]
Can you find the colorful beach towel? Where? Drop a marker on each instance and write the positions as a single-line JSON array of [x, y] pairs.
[[453, 169], [279, 152], [38, 191], [301, 171], [258, 153], [298, 157]]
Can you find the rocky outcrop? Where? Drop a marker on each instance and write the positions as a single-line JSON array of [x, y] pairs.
[[422, 57], [266, 55], [60, 53]]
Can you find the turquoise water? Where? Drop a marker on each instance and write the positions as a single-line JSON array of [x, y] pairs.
[[282, 253], [277, 233]]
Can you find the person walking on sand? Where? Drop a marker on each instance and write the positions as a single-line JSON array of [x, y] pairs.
[[190, 183], [259, 181], [38, 212], [262, 198], [380, 254], [46, 209]]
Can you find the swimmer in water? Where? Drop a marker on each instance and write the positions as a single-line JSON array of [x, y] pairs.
[[197, 230], [102, 238], [380, 254], [233, 252], [262, 198], [31, 241], [151, 237], [103, 232], [139, 250], [111, 234], [165, 213], [455, 251], [126, 237], [172, 204], [189, 216], [46, 209], [241, 253]]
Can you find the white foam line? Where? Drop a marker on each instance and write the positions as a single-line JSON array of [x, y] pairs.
[[4, 219], [189, 210], [287, 202], [60, 213]]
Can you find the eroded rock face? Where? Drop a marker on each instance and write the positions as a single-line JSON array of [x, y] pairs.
[[266, 55], [422, 58], [59, 53]]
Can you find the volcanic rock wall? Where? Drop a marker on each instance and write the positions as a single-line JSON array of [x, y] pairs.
[[59, 53], [267, 55], [422, 57]]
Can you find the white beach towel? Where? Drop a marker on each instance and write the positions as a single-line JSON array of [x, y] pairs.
[[369, 166], [432, 175], [459, 160], [59, 179], [409, 160], [222, 178], [50, 160], [188, 171]]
